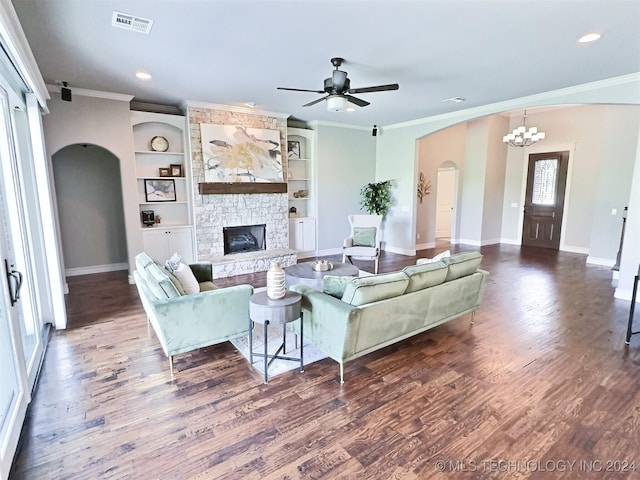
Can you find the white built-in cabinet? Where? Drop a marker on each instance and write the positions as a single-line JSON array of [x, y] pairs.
[[161, 243], [167, 172], [301, 188], [302, 235]]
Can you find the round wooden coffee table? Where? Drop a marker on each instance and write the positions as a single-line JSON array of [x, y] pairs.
[[303, 273]]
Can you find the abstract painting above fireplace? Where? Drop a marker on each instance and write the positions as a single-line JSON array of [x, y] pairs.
[[241, 154]]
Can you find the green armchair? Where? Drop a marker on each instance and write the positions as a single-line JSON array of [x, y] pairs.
[[182, 322]]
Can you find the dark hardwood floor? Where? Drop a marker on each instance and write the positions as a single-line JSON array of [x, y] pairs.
[[541, 386]]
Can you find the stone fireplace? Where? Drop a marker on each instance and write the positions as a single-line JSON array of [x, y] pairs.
[[213, 213]]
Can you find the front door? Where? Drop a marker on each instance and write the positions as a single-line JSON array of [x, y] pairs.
[[544, 199]]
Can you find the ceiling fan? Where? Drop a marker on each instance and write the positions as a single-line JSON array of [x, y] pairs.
[[338, 90]]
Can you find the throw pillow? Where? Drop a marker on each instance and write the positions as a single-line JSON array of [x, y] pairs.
[[437, 258], [187, 279], [173, 263], [334, 285], [364, 236]]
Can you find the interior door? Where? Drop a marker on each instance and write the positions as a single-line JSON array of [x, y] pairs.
[[544, 199], [444, 202]]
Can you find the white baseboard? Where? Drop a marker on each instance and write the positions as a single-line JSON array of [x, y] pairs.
[[132, 280], [113, 267], [309, 254], [605, 262], [426, 246], [400, 251], [570, 249], [511, 241], [624, 294], [479, 243], [329, 251]]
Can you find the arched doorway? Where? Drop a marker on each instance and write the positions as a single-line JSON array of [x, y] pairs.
[[88, 191]]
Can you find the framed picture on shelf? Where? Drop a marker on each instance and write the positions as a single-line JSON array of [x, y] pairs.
[[160, 190], [176, 170], [164, 172], [293, 149]]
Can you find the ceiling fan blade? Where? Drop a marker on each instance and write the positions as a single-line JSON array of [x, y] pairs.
[[357, 101], [315, 101], [378, 88], [299, 90]]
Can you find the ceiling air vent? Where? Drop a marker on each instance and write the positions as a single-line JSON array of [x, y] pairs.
[[131, 22]]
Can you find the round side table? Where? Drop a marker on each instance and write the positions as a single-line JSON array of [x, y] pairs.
[[267, 311]]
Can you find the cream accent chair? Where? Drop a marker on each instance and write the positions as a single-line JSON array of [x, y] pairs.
[[367, 252]]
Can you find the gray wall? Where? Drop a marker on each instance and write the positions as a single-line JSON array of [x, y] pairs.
[[104, 122], [473, 182], [494, 180], [345, 162], [90, 211]]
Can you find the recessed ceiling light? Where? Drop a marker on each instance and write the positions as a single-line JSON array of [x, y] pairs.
[[140, 75], [589, 37], [351, 109]]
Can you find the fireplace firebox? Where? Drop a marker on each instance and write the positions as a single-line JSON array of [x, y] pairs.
[[244, 238]]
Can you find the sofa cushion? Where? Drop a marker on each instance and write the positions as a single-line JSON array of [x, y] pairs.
[[364, 236], [334, 285], [425, 275], [188, 280], [143, 260], [175, 281], [360, 291], [462, 264], [159, 283], [207, 286], [437, 258]]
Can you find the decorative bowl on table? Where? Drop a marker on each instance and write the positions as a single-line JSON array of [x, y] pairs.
[[321, 265]]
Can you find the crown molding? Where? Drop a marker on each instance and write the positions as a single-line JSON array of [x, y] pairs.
[[92, 93], [14, 41], [234, 108], [315, 123], [537, 99]]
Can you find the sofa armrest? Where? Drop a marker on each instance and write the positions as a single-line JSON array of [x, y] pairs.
[[192, 321], [203, 271], [329, 323], [348, 242]]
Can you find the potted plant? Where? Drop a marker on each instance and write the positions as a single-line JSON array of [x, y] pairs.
[[376, 197]]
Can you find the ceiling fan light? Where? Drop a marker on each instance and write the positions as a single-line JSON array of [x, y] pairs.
[[337, 103]]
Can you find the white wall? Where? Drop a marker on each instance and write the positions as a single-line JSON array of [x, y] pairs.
[[444, 147], [396, 153], [345, 162], [106, 123], [494, 180], [601, 141], [89, 194]]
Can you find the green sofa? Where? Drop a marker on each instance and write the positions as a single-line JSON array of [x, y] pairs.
[[187, 322], [355, 316]]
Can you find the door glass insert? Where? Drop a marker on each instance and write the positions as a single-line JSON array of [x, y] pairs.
[[544, 182]]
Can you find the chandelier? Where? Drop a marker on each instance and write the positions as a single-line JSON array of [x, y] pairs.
[[523, 137]]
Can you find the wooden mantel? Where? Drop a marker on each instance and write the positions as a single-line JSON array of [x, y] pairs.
[[241, 187]]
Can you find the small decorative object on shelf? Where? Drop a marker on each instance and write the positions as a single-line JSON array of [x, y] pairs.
[[321, 265], [176, 170], [303, 193], [160, 190], [276, 281], [296, 194], [148, 218], [293, 149], [164, 172], [159, 144], [293, 211]]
